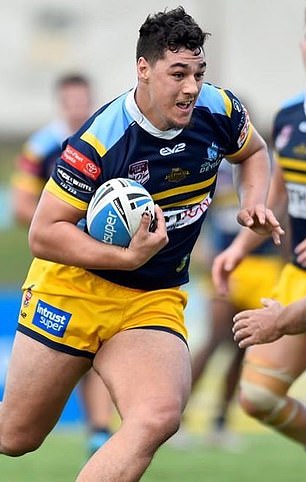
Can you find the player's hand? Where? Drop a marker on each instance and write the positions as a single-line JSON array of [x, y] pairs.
[[262, 221], [254, 327], [300, 251], [145, 243], [223, 264]]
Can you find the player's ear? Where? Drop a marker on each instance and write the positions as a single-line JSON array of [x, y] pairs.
[[143, 69]]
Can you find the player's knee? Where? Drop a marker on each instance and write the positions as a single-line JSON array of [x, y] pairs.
[[258, 401], [15, 445], [162, 420]]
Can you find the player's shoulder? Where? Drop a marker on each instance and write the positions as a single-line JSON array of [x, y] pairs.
[[108, 124], [47, 138], [218, 100], [292, 102]]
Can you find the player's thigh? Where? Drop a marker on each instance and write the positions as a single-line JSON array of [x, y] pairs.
[[143, 367], [288, 353], [39, 382]]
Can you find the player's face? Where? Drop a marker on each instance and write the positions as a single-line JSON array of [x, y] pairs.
[[75, 104], [170, 87]]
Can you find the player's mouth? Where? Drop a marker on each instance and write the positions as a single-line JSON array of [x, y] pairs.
[[185, 106]]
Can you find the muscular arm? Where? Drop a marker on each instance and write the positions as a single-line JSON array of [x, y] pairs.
[[54, 236], [264, 325]]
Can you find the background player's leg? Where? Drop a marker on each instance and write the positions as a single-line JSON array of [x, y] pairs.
[[99, 410], [269, 371], [39, 382]]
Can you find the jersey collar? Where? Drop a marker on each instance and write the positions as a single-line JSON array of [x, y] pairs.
[[143, 122]]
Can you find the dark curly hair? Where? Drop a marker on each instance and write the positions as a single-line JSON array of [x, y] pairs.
[[168, 31]]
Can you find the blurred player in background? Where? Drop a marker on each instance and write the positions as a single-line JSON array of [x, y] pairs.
[[270, 369], [122, 309], [74, 100], [246, 288]]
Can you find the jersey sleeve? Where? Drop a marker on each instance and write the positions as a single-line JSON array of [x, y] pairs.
[[77, 172], [240, 125]]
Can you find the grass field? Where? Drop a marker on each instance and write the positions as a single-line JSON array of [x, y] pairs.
[[264, 457]]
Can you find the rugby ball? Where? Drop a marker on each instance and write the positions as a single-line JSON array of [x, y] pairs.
[[115, 210]]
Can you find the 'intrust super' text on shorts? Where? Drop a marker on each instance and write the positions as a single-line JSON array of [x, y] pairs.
[[74, 311]]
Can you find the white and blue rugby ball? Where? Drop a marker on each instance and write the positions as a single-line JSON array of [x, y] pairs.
[[115, 210]]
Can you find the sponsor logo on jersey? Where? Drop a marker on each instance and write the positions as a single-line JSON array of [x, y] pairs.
[[244, 131], [82, 163], [66, 176], [297, 200], [184, 216], [183, 263], [283, 137], [139, 171], [237, 106], [177, 174], [300, 149], [166, 151], [51, 319]]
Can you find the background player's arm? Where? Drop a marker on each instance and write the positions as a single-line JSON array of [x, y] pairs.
[[23, 204], [54, 236], [267, 324], [249, 239]]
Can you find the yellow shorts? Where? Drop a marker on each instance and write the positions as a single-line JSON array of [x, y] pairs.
[[254, 278], [291, 285], [72, 310]]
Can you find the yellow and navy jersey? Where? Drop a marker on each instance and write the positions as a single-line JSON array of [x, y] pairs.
[[178, 167], [289, 138], [35, 163]]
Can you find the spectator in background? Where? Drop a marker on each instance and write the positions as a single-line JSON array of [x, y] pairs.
[[74, 101]]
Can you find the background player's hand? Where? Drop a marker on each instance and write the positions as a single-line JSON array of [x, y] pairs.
[[145, 243], [254, 327], [262, 221], [300, 251], [222, 266]]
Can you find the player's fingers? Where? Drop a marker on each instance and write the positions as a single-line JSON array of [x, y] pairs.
[[261, 213]]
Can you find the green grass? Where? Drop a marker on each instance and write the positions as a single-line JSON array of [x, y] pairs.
[[15, 257], [264, 458]]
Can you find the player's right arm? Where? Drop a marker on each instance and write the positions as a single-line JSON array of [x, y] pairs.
[[247, 240], [54, 236]]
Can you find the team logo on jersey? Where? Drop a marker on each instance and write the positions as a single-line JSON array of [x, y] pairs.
[[213, 151], [177, 174], [51, 319], [139, 171], [283, 137], [28, 296]]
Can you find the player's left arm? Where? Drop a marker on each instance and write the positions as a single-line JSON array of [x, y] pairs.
[[252, 173]]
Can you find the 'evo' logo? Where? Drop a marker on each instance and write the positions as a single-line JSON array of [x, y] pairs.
[[51, 319], [166, 151]]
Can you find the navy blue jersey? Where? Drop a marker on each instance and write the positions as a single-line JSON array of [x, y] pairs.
[[178, 167], [289, 136]]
